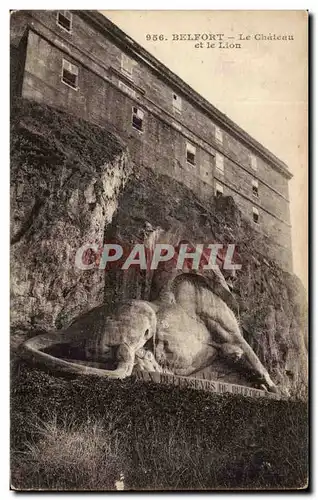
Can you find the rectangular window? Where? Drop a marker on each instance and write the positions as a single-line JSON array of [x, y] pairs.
[[64, 20], [218, 190], [70, 74], [255, 187], [219, 135], [126, 89], [191, 151], [253, 162], [177, 103], [219, 163], [137, 118], [126, 65], [255, 215]]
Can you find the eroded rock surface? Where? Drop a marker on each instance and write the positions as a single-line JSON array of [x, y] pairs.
[[65, 179]]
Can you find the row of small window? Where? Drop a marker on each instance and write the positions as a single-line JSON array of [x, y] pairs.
[[219, 163], [64, 20], [219, 192], [127, 65], [137, 123], [70, 77], [219, 137]]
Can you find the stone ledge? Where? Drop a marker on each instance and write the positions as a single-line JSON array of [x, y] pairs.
[[203, 384]]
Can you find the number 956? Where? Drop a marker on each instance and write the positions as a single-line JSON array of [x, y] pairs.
[[155, 38]]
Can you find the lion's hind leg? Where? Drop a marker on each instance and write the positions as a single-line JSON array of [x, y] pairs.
[[232, 345]]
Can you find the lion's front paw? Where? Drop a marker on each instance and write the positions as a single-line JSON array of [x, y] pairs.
[[146, 361]]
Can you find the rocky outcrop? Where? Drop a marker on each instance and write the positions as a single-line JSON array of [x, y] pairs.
[[73, 183], [65, 180]]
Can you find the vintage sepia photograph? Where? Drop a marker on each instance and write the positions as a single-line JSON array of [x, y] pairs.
[[159, 245]]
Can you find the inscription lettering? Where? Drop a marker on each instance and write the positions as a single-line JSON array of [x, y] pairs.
[[202, 384]]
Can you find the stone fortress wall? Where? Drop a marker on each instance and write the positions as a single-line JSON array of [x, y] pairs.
[[166, 125]]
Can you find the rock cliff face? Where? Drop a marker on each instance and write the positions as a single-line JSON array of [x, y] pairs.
[[65, 179], [73, 183]]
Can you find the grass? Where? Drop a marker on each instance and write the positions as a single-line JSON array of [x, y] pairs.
[[85, 433], [69, 456]]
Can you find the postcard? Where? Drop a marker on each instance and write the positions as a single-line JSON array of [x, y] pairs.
[[159, 324]]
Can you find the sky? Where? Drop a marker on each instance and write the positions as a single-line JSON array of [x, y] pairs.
[[261, 86]]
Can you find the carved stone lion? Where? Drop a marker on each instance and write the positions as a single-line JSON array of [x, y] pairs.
[[183, 331]]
